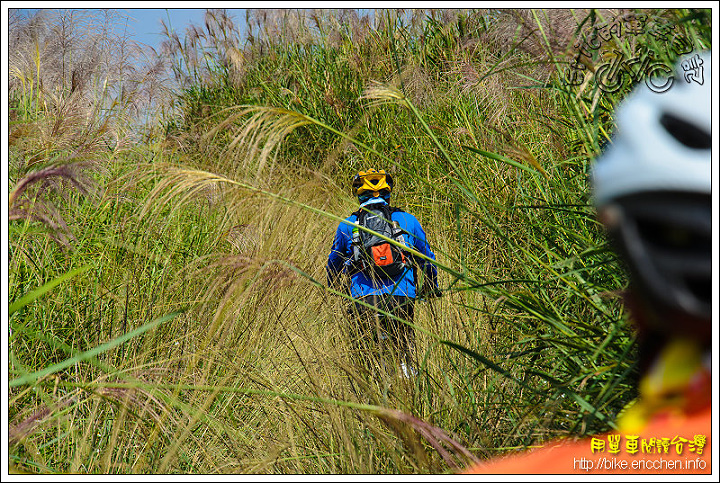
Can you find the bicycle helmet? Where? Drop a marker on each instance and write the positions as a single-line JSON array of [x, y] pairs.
[[652, 188], [372, 181]]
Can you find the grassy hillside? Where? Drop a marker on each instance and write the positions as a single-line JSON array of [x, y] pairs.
[[171, 213]]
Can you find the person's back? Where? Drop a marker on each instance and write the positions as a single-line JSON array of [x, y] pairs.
[[382, 271], [652, 188]]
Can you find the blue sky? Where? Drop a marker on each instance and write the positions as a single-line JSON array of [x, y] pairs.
[[145, 24], [147, 21]]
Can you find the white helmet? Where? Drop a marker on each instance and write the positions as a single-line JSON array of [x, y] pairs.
[[663, 139], [652, 188]]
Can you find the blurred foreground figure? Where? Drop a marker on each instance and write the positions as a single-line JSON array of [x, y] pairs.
[[652, 191]]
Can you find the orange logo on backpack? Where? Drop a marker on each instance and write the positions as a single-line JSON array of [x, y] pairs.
[[382, 254]]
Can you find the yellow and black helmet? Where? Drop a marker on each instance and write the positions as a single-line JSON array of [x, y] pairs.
[[373, 181]]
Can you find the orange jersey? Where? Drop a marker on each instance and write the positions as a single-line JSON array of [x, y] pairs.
[[669, 444]]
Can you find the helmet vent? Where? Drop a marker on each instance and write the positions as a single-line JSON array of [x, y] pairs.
[[673, 238], [686, 133], [701, 288]]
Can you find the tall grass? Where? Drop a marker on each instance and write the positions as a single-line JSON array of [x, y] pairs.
[[176, 320]]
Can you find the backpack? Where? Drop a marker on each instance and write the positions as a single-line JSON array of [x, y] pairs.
[[374, 255]]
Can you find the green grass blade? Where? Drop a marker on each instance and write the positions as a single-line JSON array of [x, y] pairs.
[[39, 292], [500, 158], [87, 355]]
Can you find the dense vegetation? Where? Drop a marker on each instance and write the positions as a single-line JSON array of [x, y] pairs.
[[170, 215]]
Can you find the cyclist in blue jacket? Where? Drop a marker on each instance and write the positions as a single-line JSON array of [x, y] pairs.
[[392, 288]]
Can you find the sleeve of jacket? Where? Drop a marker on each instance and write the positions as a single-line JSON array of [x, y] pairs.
[[339, 255], [421, 244]]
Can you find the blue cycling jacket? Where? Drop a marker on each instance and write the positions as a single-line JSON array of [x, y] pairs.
[[340, 261]]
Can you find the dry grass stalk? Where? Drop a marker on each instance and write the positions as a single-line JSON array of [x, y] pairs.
[[30, 200], [453, 453]]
